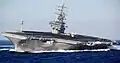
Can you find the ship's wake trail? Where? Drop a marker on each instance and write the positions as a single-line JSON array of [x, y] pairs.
[[11, 48], [7, 49], [5, 46]]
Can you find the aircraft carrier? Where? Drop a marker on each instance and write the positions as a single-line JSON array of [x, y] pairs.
[[57, 39]]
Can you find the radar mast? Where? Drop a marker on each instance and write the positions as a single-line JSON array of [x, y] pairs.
[[22, 22], [58, 25]]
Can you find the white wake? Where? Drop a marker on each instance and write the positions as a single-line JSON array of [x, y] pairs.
[[56, 50]]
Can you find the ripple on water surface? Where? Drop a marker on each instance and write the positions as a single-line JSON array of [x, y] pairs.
[[62, 57]]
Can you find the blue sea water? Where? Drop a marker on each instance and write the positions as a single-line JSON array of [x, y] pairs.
[[7, 56]]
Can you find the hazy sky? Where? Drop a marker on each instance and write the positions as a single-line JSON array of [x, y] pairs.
[[90, 17]]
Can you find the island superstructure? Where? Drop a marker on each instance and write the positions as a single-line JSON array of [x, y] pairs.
[[30, 41]]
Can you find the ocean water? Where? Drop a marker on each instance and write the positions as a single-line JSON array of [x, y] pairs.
[[7, 56]]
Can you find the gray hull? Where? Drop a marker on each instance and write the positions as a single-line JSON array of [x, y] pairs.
[[37, 45], [28, 43]]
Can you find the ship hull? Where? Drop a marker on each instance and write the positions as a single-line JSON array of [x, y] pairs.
[[23, 43], [37, 45]]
